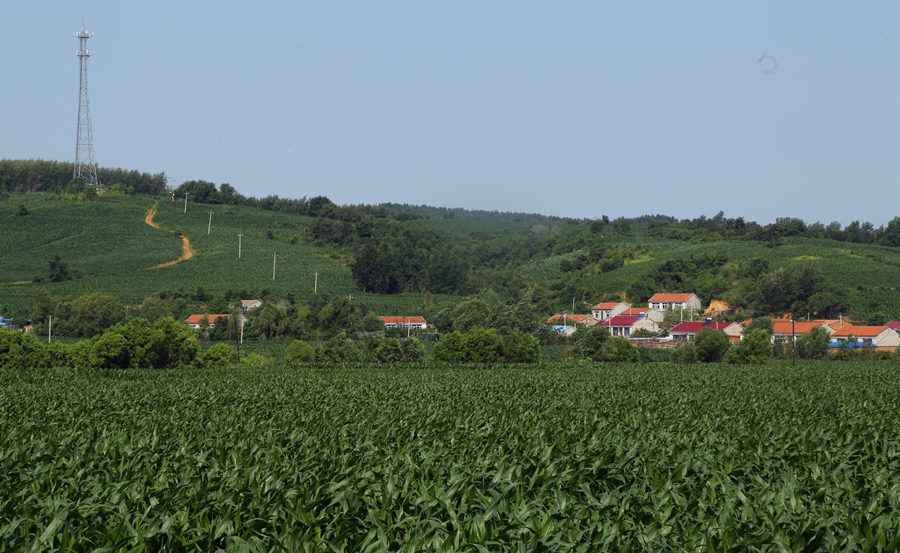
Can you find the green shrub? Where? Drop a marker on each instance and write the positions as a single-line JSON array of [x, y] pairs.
[[685, 353], [711, 345], [298, 351], [217, 356], [754, 348], [21, 351]]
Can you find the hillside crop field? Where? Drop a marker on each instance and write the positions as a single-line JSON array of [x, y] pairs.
[[109, 241], [578, 457]]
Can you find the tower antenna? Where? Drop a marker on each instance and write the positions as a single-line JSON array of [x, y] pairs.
[[85, 166]]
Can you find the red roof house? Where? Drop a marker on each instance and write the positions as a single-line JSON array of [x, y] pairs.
[[404, 322], [607, 309], [194, 320], [626, 325]]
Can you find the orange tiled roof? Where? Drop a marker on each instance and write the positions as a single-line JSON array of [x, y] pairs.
[[210, 318], [635, 311], [569, 319], [607, 305], [403, 320], [781, 326], [860, 331], [670, 297]]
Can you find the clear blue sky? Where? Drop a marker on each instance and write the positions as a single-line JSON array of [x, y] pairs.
[[578, 108]]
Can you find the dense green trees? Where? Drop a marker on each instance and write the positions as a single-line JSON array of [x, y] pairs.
[[94, 313], [754, 348], [596, 344], [710, 344], [813, 344], [21, 351], [480, 345], [135, 344], [36, 175]]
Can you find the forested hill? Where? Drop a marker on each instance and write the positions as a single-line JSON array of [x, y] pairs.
[[432, 212]]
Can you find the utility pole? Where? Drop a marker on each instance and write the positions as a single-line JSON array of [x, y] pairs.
[[185, 202], [793, 343], [316, 283], [239, 245], [49, 328], [209, 225], [274, 257], [236, 342]]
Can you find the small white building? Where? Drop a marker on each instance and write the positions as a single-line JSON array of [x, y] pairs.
[[249, 305], [675, 302], [608, 309]]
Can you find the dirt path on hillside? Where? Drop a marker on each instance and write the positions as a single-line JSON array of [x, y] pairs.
[[187, 251]]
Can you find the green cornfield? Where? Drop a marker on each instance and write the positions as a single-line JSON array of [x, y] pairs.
[[577, 457]]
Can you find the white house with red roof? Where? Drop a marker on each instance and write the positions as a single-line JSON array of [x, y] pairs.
[[687, 330], [196, 321], [734, 331], [625, 325], [607, 309], [880, 337], [675, 302], [785, 330], [412, 322]]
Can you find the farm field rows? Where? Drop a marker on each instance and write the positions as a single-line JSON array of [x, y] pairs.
[[113, 247], [577, 457]]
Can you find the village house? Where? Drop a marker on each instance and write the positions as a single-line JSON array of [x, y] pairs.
[[609, 309], [784, 329], [652, 314], [734, 331], [675, 302], [625, 326], [249, 305], [196, 321], [878, 337], [687, 330], [566, 323], [412, 323]]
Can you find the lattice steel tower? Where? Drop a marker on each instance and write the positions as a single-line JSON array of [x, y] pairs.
[[85, 166]]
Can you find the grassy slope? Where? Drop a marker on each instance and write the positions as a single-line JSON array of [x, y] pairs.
[[110, 242]]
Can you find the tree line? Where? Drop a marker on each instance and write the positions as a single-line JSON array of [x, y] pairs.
[[19, 176]]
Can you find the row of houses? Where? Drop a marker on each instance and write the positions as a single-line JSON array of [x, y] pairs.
[[624, 320], [210, 320]]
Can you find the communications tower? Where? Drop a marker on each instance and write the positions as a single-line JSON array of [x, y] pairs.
[[85, 166]]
